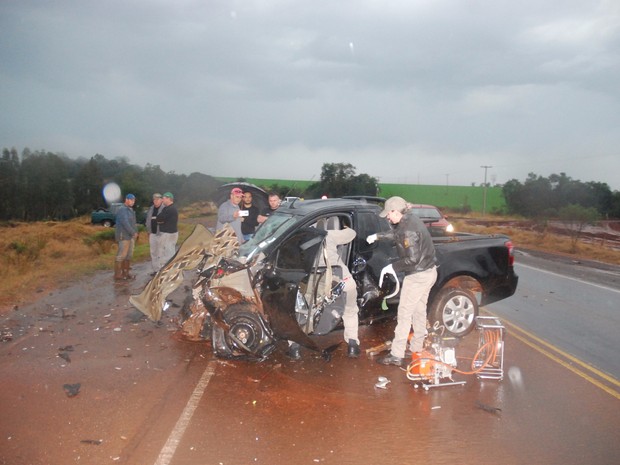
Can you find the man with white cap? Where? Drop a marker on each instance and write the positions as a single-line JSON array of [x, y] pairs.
[[417, 260]]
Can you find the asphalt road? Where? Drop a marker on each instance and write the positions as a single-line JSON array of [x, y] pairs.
[[570, 305], [86, 379]]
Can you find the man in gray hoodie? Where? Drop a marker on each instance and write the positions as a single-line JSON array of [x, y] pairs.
[[125, 233]]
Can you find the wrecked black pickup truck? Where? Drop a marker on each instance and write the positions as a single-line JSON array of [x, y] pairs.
[[278, 285]]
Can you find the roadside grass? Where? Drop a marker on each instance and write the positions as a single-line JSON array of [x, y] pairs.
[[41, 256], [546, 242]]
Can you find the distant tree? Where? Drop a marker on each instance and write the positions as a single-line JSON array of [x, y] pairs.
[[614, 209], [529, 199], [540, 196], [87, 187], [339, 179], [363, 184], [9, 184], [576, 218], [45, 187], [602, 199], [197, 187], [155, 178], [513, 196]]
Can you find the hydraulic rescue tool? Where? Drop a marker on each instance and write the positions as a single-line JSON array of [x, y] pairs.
[[433, 366]]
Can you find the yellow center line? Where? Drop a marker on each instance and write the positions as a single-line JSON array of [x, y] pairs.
[[583, 374]]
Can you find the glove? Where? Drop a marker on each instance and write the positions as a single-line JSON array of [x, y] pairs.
[[387, 270], [372, 238]]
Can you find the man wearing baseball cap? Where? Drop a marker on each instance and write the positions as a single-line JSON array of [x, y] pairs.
[[168, 221], [153, 231], [228, 213], [125, 233], [417, 260]]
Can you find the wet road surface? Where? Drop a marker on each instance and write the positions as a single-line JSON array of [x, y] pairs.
[[147, 397]]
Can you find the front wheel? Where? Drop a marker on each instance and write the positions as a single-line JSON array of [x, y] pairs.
[[107, 223], [455, 310], [247, 337]]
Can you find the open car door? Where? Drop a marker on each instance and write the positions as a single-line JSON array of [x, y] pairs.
[[289, 284]]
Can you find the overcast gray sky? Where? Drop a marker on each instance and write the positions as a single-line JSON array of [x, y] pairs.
[[413, 91]]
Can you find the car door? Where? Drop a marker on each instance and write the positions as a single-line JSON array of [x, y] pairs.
[[367, 261], [290, 268]]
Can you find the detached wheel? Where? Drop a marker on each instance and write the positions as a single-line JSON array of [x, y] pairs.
[[245, 332], [107, 223], [247, 337], [456, 311]]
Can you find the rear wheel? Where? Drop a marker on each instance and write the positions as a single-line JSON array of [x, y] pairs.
[[455, 310], [107, 223]]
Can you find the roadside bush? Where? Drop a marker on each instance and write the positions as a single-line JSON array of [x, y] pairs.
[[102, 241], [23, 251], [576, 218]]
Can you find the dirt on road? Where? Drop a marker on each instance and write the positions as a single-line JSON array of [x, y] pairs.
[[88, 379]]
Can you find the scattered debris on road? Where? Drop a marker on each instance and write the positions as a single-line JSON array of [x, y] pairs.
[[72, 390]]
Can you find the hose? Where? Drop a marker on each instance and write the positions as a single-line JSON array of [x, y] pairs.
[[491, 340]]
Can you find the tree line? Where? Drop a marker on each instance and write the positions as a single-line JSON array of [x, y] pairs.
[[40, 185], [549, 197]]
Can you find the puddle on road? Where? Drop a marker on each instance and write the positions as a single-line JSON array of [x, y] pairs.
[[314, 411]]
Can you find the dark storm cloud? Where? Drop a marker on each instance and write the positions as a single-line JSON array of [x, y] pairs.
[[409, 91]]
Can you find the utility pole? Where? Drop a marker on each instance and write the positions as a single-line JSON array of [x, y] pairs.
[[484, 192]]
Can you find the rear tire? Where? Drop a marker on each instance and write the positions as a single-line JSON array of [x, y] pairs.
[[107, 223], [456, 310]]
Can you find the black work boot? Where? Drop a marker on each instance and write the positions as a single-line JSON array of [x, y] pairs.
[[390, 360], [294, 351], [354, 349]]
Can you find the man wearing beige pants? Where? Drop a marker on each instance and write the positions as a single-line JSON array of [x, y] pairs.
[[417, 260]]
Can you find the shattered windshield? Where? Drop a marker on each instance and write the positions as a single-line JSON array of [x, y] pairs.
[[267, 233]]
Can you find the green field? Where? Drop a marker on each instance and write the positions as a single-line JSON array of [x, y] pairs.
[[448, 197], [445, 197]]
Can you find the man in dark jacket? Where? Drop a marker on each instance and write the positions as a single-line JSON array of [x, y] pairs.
[[417, 260], [167, 222], [153, 230], [249, 219], [274, 203]]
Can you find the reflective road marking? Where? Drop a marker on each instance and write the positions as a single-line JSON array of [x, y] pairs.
[[588, 372], [165, 456], [563, 276]]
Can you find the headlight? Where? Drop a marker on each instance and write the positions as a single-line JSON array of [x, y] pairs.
[[450, 228]]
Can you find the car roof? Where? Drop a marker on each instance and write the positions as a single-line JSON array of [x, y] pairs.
[[304, 207], [259, 196]]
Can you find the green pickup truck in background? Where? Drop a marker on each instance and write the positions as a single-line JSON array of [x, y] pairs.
[[107, 216]]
